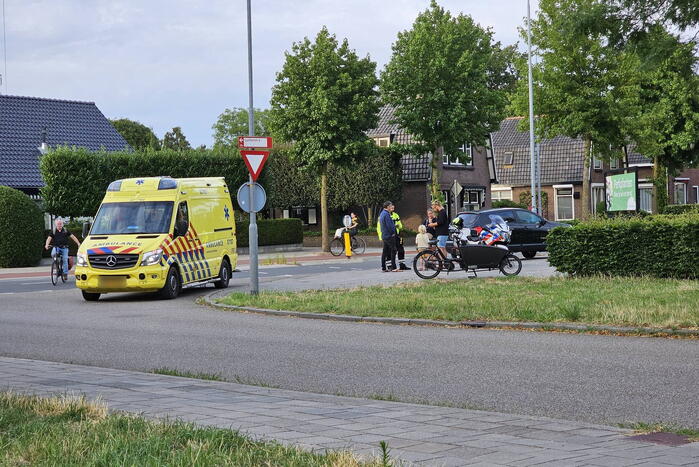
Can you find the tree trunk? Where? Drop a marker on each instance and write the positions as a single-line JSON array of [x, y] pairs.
[[659, 187], [435, 189], [370, 216], [324, 236], [586, 188]]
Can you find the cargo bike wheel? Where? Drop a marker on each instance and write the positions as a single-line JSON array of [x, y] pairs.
[[427, 264], [510, 265]]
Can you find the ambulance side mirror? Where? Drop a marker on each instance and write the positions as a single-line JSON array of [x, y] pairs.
[[86, 229]]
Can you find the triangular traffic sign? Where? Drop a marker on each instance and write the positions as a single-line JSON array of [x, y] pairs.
[[255, 161]]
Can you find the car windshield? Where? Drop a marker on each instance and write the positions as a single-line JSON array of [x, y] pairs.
[[468, 219], [150, 217]]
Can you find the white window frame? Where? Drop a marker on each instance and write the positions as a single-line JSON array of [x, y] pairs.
[[509, 158], [500, 192], [592, 193], [645, 186], [555, 200], [614, 164], [684, 190], [696, 194], [596, 163]]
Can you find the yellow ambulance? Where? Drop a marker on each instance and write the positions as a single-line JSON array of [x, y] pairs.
[[159, 234]]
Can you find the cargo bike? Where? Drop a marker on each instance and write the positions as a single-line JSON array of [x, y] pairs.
[[470, 250]]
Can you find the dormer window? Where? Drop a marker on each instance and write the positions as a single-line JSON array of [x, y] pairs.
[[509, 157], [461, 160]]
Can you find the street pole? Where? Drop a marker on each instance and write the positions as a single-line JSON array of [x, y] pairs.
[[252, 232], [532, 155]]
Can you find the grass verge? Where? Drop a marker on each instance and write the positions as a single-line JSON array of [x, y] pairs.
[[635, 302], [71, 431], [642, 428], [212, 377]]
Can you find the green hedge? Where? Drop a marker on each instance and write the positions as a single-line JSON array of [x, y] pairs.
[[660, 246], [270, 231], [681, 209], [76, 179], [506, 203], [22, 226]]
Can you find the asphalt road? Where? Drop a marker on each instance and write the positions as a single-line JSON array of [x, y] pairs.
[[592, 378], [355, 271]]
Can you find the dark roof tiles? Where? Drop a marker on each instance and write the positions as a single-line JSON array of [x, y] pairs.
[[23, 122]]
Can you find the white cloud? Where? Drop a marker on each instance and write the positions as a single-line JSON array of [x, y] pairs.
[[180, 63]]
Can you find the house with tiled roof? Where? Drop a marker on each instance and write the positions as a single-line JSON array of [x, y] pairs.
[[30, 126], [474, 174], [561, 169]]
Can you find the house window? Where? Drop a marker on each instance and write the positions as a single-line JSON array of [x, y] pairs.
[[459, 160], [696, 194], [597, 197], [509, 158], [614, 164], [383, 142], [645, 194], [680, 193], [471, 200], [597, 163], [499, 195], [564, 203]]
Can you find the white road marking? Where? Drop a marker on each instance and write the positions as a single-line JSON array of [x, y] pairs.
[[334, 267]]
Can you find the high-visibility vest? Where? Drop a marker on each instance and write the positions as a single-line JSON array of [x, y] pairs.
[[396, 220]]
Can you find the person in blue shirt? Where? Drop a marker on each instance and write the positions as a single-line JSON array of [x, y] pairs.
[[388, 235]]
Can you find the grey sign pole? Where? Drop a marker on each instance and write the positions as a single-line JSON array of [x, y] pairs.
[[254, 283], [531, 114]]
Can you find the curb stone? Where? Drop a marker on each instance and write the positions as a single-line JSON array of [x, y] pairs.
[[209, 299]]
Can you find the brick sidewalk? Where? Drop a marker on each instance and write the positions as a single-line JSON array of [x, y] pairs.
[[415, 433]]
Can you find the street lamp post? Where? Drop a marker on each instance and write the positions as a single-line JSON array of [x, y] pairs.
[[532, 151], [252, 231]]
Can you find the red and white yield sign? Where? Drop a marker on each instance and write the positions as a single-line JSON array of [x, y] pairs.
[[255, 160]]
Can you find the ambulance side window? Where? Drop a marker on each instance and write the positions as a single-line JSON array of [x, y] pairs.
[[182, 220]]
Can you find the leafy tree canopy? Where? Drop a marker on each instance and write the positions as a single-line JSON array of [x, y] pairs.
[[136, 134], [175, 140], [234, 122], [447, 79], [324, 100]]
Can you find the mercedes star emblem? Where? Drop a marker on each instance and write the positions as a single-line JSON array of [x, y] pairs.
[[111, 261]]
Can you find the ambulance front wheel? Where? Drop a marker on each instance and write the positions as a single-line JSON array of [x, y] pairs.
[[224, 276], [91, 296], [172, 286]]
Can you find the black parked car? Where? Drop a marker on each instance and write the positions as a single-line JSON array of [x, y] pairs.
[[528, 229]]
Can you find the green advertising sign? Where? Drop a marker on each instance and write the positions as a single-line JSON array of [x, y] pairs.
[[621, 192]]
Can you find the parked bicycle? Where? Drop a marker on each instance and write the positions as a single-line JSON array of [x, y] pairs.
[[337, 245]]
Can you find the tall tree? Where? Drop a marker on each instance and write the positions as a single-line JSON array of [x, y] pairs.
[[136, 134], [175, 139], [667, 129], [448, 80], [234, 122], [585, 87], [324, 100]]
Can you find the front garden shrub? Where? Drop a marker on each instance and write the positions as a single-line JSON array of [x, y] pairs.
[[681, 209], [22, 224], [270, 231], [660, 246]]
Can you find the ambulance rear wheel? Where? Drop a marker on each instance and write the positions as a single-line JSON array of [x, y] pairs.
[[172, 286], [91, 296], [224, 276]]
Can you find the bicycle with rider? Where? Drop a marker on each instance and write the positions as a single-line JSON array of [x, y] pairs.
[[59, 239]]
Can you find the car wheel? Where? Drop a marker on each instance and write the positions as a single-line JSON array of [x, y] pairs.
[[172, 286], [529, 254], [91, 296], [224, 276]]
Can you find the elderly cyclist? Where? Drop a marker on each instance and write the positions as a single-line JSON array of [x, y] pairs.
[[59, 238]]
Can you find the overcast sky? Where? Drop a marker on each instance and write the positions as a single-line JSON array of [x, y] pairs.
[[172, 63]]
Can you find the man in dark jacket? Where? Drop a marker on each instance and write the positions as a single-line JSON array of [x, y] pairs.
[[388, 236]]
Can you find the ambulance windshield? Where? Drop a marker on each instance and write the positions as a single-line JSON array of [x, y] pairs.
[[150, 217]]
